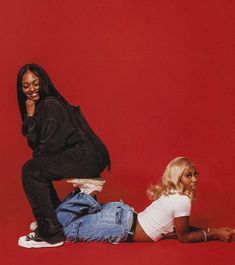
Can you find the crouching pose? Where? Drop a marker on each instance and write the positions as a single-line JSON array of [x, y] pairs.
[[63, 145], [85, 219]]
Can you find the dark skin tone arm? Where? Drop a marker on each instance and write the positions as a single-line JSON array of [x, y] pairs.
[[30, 107], [188, 234]]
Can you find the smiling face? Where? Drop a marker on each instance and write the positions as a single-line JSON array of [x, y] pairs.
[[189, 179], [30, 86]]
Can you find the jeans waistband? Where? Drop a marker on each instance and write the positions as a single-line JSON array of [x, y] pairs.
[[131, 235]]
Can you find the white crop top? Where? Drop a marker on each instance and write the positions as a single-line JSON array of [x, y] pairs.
[[157, 219]]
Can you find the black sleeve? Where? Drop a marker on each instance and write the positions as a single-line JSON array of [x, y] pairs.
[[54, 127], [29, 130]]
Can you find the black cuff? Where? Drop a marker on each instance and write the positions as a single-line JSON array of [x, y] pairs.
[[28, 123]]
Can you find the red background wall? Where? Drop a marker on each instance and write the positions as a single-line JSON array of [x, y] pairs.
[[155, 79]]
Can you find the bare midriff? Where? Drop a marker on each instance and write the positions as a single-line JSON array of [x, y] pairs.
[[140, 235]]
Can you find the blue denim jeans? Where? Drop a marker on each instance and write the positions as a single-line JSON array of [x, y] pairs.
[[85, 219]]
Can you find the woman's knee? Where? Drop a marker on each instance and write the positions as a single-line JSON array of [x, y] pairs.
[[30, 171]]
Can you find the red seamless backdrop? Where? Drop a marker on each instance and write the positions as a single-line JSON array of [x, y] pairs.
[[155, 80]]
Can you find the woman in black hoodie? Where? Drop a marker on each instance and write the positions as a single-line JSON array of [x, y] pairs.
[[63, 145]]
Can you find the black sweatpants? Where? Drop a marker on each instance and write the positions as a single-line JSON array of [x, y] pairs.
[[37, 176]]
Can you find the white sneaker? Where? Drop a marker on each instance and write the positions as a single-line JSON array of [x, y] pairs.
[[34, 241], [88, 185]]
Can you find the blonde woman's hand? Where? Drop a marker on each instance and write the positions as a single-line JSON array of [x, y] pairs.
[[225, 234], [30, 107]]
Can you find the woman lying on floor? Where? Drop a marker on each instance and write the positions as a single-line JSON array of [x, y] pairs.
[[85, 219]]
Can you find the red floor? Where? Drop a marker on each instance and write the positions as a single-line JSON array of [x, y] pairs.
[[164, 252]]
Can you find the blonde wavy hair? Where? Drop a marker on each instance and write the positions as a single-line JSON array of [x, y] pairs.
[[170, 181]]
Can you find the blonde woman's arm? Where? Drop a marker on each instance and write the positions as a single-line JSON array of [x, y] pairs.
[[186, 235]]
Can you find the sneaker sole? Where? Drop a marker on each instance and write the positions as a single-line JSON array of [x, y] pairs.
[[87, 181], [22, 242]]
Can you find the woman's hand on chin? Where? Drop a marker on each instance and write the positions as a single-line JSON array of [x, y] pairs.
[[30, 107]]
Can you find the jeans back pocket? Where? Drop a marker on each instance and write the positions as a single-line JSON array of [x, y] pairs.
[[113, 213]]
